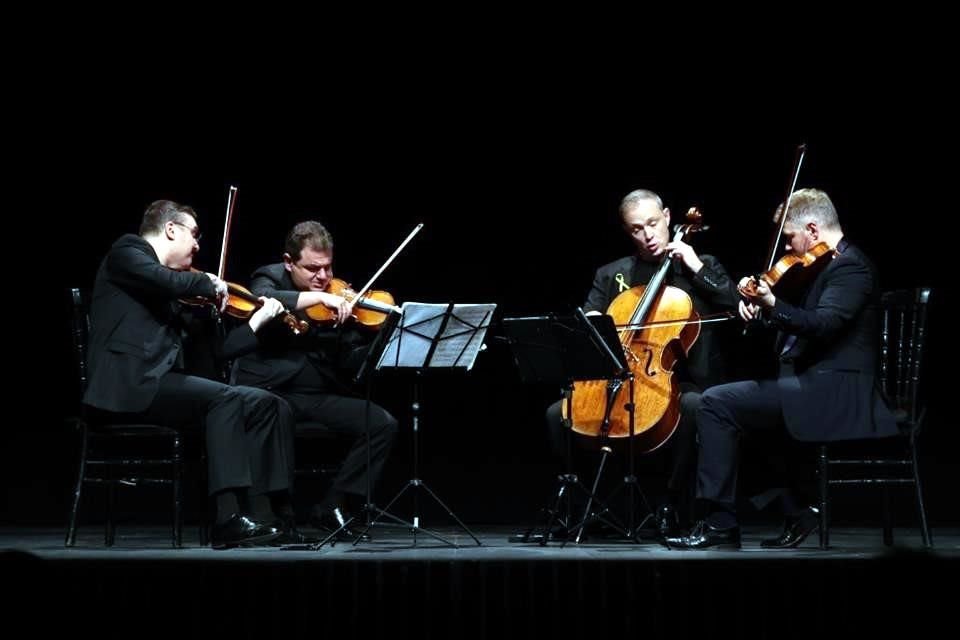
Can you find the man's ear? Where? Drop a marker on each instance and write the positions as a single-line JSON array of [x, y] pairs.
[[287, 262], [666, 214], [813, 230], [168, 229]]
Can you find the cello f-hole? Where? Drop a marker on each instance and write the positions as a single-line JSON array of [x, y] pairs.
[[650, 372]]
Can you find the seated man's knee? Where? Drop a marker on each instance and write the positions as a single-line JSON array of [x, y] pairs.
[[554, 417], [390, 425], [259, 400], [689, 401]]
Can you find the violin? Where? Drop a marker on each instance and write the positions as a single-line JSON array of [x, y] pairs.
[[242, 303], [370, 310]]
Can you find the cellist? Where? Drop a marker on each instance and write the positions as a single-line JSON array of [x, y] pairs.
[[647, 222]]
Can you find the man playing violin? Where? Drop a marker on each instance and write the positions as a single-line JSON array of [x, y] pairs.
[[647, 222], [138, 369], [825, 390], [308, 370]]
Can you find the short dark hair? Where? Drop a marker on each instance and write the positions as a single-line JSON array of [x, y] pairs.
[[308, 234], [160, 212]]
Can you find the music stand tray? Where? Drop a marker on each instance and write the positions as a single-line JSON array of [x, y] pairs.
[[435, 337], [559, 348]]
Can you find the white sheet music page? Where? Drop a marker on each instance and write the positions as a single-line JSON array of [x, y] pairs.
[[419, 327]]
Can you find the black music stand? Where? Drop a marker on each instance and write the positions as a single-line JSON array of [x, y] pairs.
[[560, 349], [364, 376], [434, 337]]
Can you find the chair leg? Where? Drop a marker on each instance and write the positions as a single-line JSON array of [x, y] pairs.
[[110, 528], [177, 491], [887, 516], [924, 526], [77, 491], [824, 487], [208, 509]]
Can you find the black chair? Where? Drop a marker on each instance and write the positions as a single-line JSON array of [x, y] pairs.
[[119, 454], [313, 441], [319, 456], [888, 461]]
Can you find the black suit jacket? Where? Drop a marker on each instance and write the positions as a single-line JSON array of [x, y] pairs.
[[711, 290], [828, 374], [283, 356], [136, 331]]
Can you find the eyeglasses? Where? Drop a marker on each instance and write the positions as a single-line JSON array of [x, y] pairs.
[[194, 231], [313, 270]]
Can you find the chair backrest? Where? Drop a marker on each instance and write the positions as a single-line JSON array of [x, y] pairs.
[[80, 333], [903, 341]]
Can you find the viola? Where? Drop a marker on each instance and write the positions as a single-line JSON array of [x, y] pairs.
[[791, 272]]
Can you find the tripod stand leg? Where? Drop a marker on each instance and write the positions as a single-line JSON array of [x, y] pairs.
[[385, 512], [412, 526], [593, 493], [634, 492], [450, 513]]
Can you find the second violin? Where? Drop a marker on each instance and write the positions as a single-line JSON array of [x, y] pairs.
[[369, 310]]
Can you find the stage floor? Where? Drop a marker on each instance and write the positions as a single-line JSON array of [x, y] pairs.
[[389, 587], [393, 543]]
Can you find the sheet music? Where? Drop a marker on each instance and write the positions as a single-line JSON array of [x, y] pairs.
[[458, 346]]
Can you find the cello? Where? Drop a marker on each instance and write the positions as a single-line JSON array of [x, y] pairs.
[[657, 325]]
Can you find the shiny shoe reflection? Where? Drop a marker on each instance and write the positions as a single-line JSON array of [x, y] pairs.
[[704, 536], [795, 530], [241, 531]]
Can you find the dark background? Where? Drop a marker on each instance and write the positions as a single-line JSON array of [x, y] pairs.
[[516, 173]]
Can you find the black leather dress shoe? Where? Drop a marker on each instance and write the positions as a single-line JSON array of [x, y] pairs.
[[330, 520], [241, 531], [795, 530], [704, 536]]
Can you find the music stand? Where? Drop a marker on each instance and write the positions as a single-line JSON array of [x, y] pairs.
[[365, 376], [435, 337], [560, 349]]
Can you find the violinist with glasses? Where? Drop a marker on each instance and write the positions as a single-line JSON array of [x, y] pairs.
[[825, 389], [710, 290], [312, 370], [139, 369]]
